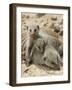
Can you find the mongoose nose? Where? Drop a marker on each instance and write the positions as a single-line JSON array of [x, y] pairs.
[[34, 30]]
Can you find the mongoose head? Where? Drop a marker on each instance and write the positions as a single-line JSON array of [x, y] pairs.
[[40, 45], [33, 30]]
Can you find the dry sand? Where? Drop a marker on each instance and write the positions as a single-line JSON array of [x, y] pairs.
[[38, 70]]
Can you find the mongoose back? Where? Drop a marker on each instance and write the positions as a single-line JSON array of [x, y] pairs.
[[52, 40]]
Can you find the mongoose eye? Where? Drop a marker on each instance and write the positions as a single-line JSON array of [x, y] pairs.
[[30, 30], [39, 47], [34, 30], [44, 58]]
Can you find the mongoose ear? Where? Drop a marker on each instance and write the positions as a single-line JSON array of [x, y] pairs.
[[38, 27]]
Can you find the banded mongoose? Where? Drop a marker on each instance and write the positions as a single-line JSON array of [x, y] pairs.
[[28, 38], [32, 34]]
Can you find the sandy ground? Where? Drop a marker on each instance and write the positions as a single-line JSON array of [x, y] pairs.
[[38, 70], [47, 21]]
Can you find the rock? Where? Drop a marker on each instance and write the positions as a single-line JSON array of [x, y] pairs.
[[40, 15], [54, 18], [57, 29]]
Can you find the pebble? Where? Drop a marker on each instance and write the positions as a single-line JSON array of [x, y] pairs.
[[54, 18]]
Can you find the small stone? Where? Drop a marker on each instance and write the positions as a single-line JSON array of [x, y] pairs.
[[54, 18], [57, 29], [40, 15], [61, 33]]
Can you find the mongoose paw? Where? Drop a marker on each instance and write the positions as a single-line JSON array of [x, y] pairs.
[[27, 64]]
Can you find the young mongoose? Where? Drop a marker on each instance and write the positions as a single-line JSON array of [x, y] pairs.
[[44, 54]]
